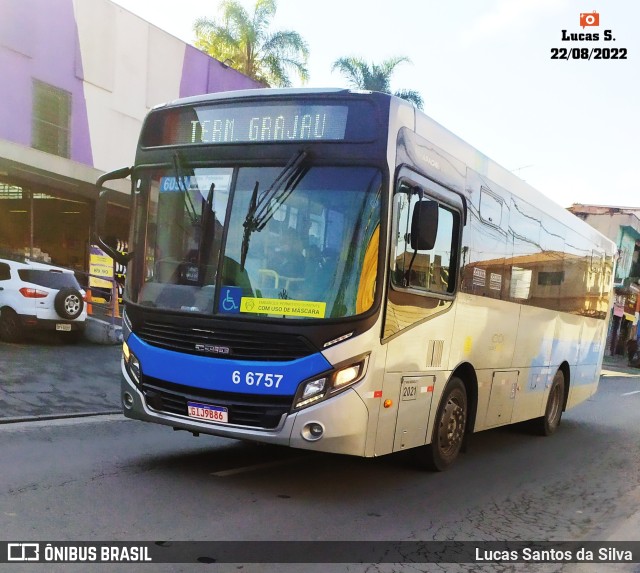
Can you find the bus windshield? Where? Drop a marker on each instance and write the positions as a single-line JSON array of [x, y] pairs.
[[263, 242]]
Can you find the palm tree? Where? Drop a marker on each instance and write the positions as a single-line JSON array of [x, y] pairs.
[[375, 77], [245, 42]]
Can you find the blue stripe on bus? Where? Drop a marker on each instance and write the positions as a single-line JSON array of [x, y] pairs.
[[226, 375]]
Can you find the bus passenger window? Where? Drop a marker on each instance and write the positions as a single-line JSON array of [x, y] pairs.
[[430, 270]]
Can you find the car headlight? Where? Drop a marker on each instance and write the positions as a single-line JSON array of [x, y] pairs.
[[318, 389], [132, 363]]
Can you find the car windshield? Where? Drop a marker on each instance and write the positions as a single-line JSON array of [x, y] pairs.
[[292, 242]]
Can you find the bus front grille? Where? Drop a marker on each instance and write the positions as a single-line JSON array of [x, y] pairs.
[[219, 343], [244, 410]]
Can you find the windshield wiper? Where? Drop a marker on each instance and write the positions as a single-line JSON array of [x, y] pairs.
[[261, 209]]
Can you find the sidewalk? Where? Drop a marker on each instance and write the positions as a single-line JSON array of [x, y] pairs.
[[47, 378], [102, 327], [618, 366]]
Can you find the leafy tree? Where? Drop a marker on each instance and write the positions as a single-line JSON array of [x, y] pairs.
[[245, 42], [375, 77]]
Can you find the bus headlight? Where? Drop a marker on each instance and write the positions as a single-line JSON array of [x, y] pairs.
[[318, 389], [347, 375], [132, 363], [312, 391]]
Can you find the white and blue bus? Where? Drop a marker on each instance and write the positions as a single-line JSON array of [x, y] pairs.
[[335, 271]]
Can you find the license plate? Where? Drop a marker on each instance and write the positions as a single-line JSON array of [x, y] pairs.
[[63, 327], [208, 412]]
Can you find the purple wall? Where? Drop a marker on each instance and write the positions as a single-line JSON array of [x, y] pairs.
[[202, 74], [39, 40]]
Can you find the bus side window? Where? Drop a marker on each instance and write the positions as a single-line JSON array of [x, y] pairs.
[[426, 269]]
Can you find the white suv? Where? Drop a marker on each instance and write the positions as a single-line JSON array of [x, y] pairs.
[[39, 296]]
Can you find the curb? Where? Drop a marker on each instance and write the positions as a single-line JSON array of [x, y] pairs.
[[46, 417], [102, 332]]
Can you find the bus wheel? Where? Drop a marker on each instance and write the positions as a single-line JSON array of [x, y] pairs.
[[548, 424], [448, 429]]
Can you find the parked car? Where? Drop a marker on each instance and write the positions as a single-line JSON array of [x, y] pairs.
[[38, 296]]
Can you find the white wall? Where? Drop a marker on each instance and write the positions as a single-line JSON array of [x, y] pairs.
[[128, 66]]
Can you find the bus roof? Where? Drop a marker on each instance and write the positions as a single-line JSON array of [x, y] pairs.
[[258, 92]]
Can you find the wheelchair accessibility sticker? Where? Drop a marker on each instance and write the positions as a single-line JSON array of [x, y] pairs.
[[230, 299]]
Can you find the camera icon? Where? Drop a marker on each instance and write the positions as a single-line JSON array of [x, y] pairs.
[[589, 18]]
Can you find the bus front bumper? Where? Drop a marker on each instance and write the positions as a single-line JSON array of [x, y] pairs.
[[338, 425]]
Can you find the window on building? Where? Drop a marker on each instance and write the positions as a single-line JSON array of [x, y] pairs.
[[51, 119], [624, 262], [550, 278]]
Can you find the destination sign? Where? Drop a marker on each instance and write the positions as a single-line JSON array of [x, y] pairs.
[[247, 123]]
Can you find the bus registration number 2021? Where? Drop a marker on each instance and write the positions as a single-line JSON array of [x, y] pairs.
[[208, 412]]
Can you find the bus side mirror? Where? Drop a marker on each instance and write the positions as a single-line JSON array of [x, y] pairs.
[[424, 225], [108, 197]]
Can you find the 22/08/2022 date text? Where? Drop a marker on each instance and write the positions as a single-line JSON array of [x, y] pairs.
[[588, 53]]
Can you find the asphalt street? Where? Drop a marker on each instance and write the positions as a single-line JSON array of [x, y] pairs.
[[46, 378]]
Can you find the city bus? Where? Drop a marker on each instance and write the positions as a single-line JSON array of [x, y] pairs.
[[333, 270]]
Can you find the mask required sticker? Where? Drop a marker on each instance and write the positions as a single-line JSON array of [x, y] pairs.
[[303, 308]]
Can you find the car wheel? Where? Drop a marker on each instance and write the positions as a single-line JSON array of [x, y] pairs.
[[10, 326], [68, 303]]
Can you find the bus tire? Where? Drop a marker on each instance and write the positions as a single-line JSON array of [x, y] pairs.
[[448, 429], [548, 424]]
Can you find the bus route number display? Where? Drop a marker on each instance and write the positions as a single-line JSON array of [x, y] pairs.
[[263, 123]]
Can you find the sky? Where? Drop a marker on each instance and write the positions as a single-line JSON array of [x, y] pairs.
[[569, 127]]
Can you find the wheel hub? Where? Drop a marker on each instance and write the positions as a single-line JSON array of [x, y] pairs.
[[72, 304], [452, 427]]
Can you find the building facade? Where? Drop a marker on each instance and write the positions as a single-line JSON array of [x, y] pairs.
[[79, 77], [621, 225]]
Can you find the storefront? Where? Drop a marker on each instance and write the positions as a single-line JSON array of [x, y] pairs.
[[624, 322], [44, 224], [47, 208]]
